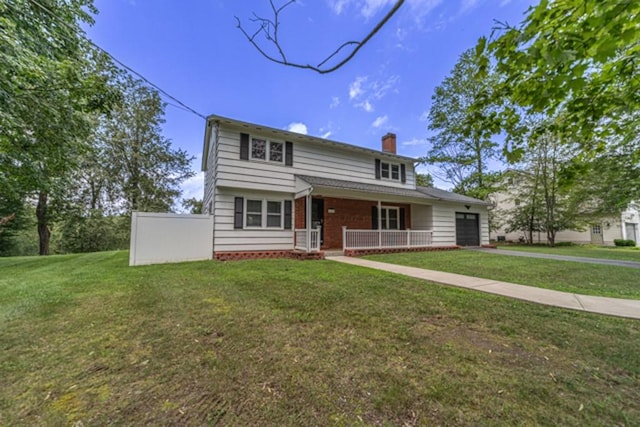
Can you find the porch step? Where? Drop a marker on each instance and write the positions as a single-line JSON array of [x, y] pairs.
[[334, 252]]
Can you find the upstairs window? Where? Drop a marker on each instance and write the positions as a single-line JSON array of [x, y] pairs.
[[258, 149], [267, 150], [276, 151], [390, 171]]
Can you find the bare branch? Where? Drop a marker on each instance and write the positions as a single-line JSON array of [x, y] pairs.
[[269, 28]]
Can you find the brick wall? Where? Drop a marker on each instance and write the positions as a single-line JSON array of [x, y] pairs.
[[300, 212], [355, 214]]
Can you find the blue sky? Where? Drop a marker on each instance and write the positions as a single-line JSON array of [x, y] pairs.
[[193, 50]]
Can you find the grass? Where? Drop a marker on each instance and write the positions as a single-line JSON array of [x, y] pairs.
[[568, 276], [587, 251], [87, 340]]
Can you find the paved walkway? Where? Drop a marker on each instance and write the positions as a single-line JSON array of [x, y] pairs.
[[632, 264], [593, 304]]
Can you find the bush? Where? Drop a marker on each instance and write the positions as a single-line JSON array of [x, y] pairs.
[[565, 244], [624, 242]]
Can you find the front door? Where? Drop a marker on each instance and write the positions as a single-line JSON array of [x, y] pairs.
[[467, 229], [317, 216], [596, 234]]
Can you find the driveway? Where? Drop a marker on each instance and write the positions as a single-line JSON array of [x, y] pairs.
[[619, 263]]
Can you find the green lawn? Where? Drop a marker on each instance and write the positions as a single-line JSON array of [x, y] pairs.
[[569, 276], [619, 253], [86, 340]]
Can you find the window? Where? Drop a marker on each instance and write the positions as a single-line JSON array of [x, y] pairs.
[[274, 214], [276, 151], [390, 171], [258, 149], [389, 218], [263, 213], [595, 229], [262, 149], [254, 213]]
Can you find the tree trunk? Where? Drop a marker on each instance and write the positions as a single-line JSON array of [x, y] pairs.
[[43, 223]]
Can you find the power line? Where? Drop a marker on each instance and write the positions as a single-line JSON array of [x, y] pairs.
[[181, 104]]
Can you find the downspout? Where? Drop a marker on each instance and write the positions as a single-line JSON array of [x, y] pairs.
[[308, 218]]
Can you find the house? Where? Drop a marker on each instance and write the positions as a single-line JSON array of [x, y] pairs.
[[604, 231], [276, 193]]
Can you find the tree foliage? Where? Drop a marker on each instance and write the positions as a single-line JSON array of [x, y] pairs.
[[463, 144]]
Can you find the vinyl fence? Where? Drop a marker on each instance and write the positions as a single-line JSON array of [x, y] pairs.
[[160, 238]]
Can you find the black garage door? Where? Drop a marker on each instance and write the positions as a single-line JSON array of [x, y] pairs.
[[467, 229]]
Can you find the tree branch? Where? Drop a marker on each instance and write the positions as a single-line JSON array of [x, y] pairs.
[[269, 28]]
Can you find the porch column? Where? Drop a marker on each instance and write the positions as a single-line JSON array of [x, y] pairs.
[[379, 224], [308, 222]]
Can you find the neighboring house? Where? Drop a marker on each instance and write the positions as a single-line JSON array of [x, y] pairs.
[[274, 193], [602, 232]]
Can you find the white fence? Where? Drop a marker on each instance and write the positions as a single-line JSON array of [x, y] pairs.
[[160, 237], [311, 245], [380, 239]]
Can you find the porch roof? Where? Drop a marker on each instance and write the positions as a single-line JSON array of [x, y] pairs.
[[428, 193]]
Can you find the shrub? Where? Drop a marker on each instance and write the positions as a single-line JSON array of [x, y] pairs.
[[624, 242], [565, 244]]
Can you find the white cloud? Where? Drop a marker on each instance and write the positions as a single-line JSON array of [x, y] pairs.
[[327, 134], [467, 5], [335, 101], [193, 187], [421, 8], [380, 121], [338, 5], [366, 106], [371, 7], [380, 88], [424, 116], [355, 88], [414, 141], [504, 3], [298, 127]]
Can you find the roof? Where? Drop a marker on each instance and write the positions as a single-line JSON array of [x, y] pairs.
[[429, 193], [293, 136]]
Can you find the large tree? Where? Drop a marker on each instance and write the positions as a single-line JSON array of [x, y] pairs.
[[462, 145], [49, 91], [143, 171]]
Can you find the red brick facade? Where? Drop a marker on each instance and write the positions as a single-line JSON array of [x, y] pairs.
[[355, 214], [300, 210], [237, 256], [361, 252]]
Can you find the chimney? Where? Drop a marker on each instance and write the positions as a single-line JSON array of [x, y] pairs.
[[389, 143]]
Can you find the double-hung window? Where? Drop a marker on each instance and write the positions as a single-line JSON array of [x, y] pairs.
[[261, 149], [390, 171], [389, 218], [263, 214]]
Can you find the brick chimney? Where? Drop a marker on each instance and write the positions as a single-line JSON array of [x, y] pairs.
[[389, 143]]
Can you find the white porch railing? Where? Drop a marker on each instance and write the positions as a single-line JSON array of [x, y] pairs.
[[382, 239], [310, 244]]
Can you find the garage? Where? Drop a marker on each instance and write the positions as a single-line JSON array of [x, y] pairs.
[[467, 229]]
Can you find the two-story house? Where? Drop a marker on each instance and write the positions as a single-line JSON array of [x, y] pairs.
[[276, 193]]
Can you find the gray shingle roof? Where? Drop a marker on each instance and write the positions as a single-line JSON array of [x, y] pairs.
[[420, 193]]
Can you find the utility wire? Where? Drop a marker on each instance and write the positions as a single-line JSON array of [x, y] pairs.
[[181, 104]]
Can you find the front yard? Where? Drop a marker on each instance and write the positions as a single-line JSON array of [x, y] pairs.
[[280, 342], [568, 276], [588, 251]]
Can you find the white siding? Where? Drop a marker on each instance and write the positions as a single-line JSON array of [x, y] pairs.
[[229, 239], [308, 159], [210, 172], [421, 217], [444, 222]]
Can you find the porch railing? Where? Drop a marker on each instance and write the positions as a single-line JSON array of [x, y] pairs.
[[381, 239], [310, 244]]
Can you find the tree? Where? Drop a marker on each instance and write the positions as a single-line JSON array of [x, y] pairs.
[[463, 143], [424, 180], [578, 57], [269, 29], [143, 172], [192, 205], [49, 90]]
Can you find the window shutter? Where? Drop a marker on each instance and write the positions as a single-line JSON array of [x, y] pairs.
[[403, 173], [403, 224], [288, 153], [377, 168], [238, 212], [244, 146], [374, 217], [287, 214]]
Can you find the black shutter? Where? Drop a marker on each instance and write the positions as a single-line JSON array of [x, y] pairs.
[[244, 146], [287, 214], [374, 217], [403, 223], [288, 153], [403, 173], [377, 168], [238, 212]]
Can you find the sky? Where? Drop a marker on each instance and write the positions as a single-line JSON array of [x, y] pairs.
[[193, 50]]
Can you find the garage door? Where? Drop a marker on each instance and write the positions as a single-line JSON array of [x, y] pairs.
[[467, 229]]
